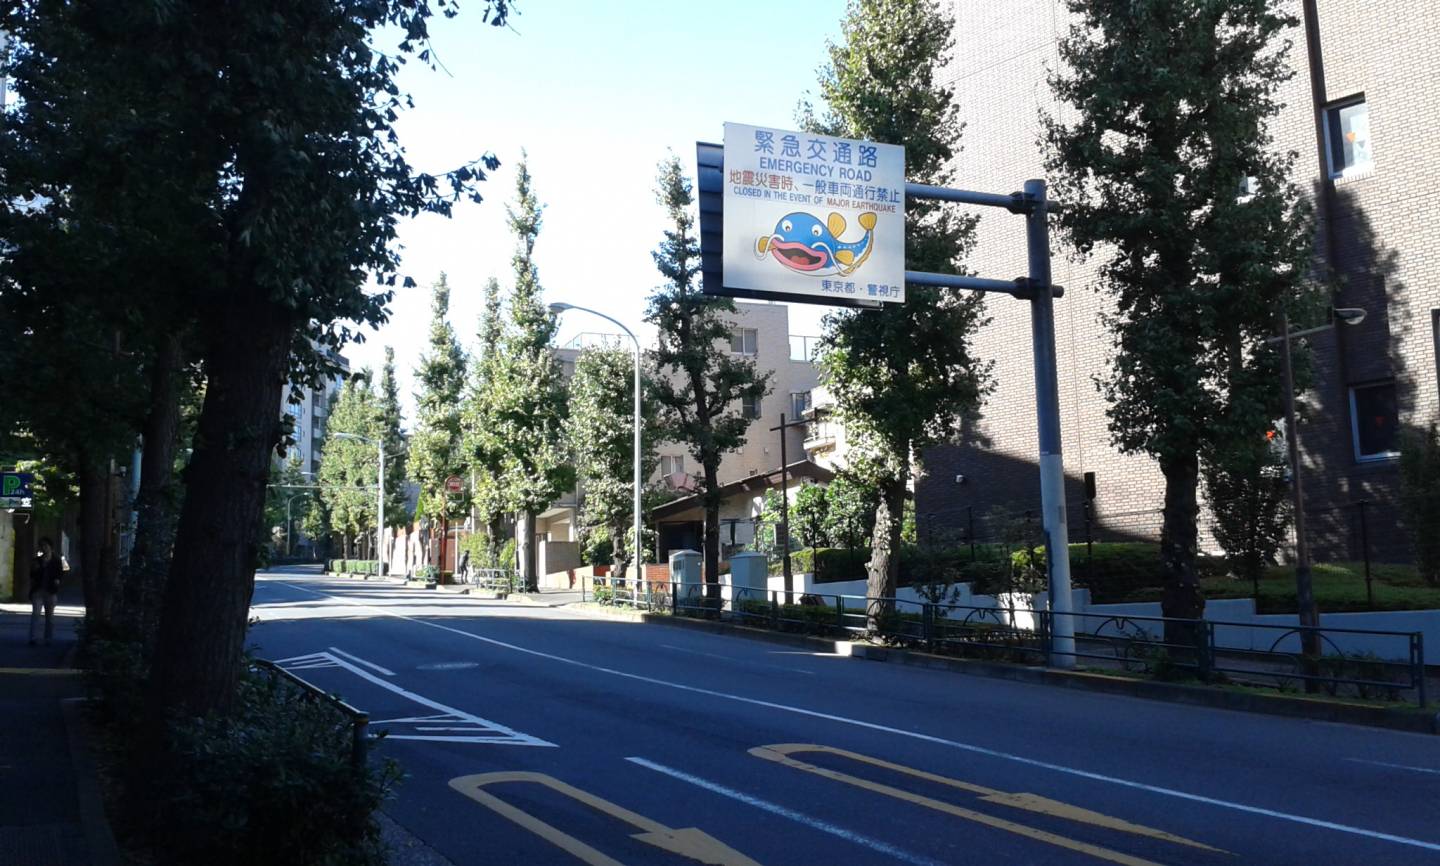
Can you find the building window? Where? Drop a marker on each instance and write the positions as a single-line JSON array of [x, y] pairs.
[[803, 348], [799, 403], [750, 407], [744, 340], [1374, 420], [1347, 130], [672, 465]]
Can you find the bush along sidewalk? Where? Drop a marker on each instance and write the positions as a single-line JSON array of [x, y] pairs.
[[272, 781]]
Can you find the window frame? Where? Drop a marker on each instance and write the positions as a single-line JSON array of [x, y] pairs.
[[738, 334], [799, 414], [745, 411], [679, 463], [1378, 456], [1334, 148]]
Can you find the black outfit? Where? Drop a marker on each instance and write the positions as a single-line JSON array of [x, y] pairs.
[[45, 576]]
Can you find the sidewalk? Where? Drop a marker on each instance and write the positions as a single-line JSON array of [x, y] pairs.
[[42, 818]]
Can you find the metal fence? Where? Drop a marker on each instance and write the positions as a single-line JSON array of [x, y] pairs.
[[1253, 654], [357, 720], [498, 580]]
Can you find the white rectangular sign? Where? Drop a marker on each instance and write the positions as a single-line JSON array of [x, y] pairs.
[[813, 216]]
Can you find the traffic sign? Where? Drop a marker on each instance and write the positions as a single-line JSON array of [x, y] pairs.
[[15, 490], [454, 485]]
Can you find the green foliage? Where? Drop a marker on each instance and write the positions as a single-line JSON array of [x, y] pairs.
[[271, 782], [1171, 101], [1250, 499], [435, 448], [699, 384], [597, 548], [527, 399], [768, 528], [397, 512], [850, 505], [482, 451], [287, 485], [600, 435], [485, 553], [809, 513], [903, 377], [349, 467], [1420, 498]]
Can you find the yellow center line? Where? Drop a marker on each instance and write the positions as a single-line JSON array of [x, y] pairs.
[[781, 754]]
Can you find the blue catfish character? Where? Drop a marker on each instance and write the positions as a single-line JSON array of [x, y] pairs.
[[803, 243]]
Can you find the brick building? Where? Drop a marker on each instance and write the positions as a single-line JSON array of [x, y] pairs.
[[1372, 102]]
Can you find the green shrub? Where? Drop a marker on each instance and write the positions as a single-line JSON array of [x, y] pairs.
[[270, 782], [1420, 498]]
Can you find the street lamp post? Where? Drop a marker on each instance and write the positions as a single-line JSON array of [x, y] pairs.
[[379, 499], [559, 308], [1309, 612], [290, 526]]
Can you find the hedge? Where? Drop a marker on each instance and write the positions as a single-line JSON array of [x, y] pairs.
[[354, 566], [1113, 571]]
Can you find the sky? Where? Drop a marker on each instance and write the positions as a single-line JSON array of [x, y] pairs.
[[596, 93]]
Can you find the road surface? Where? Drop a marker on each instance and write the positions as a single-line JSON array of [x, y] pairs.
[[536, 735]]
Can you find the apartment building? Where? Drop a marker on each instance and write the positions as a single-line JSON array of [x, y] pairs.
[[308, 415], [1359, 111]]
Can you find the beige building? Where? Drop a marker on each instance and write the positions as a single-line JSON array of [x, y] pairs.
[[761, 332], [1359, 112]]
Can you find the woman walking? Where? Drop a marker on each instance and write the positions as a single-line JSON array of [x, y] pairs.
[[44, 587]]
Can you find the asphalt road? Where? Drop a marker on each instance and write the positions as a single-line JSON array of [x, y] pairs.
[[536, 735]]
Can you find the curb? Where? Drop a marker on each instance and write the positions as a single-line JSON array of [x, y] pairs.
[[1421, 722], [99, 840]]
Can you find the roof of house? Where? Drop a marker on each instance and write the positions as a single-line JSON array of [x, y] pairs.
[[759, 481]]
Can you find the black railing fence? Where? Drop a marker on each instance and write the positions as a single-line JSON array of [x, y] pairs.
[[1369, 664]]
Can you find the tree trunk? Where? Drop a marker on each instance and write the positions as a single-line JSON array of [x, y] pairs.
[[525, 550], [144, 584], [212, 574], [711, 573], [94, 539], [1182, 598], [618, 534], [883, 574]]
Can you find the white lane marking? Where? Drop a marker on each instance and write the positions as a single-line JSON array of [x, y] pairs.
[[483, 730], [1395, 766], [814, 823], [929, 738], [371, 665], [682, 649]]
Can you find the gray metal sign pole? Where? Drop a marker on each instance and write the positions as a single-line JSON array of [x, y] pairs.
[[1037, 288]]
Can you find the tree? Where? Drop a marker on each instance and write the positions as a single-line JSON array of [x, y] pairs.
[[1245, 486], [528, 393], [904, 377], [282, 115], [481, 449], [349, 467], [397, 513], [435, 447], [850, 506], [809, 513], [601, 437], [1172, 99], [699, 383]]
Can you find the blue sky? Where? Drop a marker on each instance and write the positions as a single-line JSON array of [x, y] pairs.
[[597, 93]]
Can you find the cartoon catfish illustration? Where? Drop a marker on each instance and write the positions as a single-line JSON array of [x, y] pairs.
[[803, 243]]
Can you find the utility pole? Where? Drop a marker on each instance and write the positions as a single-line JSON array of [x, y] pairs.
[[785, 503]]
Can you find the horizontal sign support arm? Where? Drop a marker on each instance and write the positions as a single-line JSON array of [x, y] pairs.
[[1019, 287]]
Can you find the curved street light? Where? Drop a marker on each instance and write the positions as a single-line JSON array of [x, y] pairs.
[[557, 309]]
